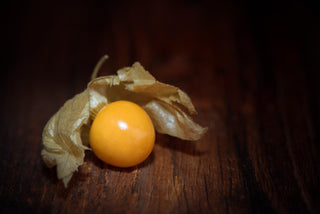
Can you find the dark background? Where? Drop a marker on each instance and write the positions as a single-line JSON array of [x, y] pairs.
[[250, 67]]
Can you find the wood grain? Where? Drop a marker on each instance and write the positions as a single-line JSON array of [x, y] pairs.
[[251, 70]]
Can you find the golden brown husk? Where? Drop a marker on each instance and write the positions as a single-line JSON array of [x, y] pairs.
[[65, 136]]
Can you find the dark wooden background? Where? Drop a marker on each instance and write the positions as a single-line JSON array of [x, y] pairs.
[[250, 67]]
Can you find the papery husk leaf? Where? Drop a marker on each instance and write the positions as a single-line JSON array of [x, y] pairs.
[[64, 144], [65, 137], [161, 101]]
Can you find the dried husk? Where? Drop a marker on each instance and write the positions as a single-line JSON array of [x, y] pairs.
[[65, 136]]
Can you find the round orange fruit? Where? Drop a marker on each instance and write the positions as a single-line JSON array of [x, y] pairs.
[[122, 134]]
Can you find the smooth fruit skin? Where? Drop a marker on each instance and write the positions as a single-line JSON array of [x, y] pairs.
[[122, 134]]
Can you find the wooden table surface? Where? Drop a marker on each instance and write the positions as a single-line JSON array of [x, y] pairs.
[[251, 69]]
